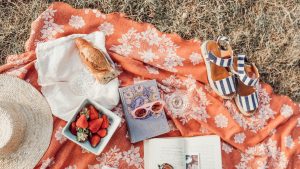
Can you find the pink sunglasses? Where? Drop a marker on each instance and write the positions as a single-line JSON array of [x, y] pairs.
[[144, 110]]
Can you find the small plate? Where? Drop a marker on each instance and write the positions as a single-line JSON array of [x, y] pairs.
[[114, 123]]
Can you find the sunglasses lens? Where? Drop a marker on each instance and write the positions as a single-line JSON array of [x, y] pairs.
[[140, 112], [156, 107]]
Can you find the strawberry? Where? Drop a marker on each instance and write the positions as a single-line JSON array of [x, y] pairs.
[[105, 123], [95, 125], [72, 128], [93, 112], [102, 133], [95, 140], [82, 122]]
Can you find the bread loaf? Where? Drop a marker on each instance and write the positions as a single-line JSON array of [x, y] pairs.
[[96, 61]]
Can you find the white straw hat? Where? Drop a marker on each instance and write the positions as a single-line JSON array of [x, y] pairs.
[[26, 124]]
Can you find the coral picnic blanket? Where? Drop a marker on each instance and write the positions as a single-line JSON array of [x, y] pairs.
[[270, 139]]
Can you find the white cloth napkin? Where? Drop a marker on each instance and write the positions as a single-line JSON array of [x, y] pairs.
[[64, 79]]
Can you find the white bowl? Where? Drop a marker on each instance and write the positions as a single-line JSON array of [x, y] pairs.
[[114, 123]]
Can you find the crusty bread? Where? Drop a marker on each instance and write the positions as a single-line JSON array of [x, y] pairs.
[[96, 61]]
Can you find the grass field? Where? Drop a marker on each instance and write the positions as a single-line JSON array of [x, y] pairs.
[[268, 31]]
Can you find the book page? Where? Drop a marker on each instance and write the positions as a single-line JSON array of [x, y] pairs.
[[160, 151], [203, 152]]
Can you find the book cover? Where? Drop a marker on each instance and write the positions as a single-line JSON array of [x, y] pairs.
[[135, 96]]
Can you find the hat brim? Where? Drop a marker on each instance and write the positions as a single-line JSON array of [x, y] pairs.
[[38, 118]]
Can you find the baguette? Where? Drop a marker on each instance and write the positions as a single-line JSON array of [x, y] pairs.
[[96, 61]]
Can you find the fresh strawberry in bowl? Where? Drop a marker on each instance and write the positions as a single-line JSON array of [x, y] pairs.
[[92, 126], [95, 125]]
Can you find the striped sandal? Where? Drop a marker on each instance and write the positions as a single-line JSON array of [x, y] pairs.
[[248, 78], [218, 59]]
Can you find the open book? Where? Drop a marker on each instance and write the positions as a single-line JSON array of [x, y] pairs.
[[201, 152]]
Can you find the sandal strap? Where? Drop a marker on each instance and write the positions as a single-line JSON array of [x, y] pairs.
[[250, 102], [226, 86], [220, 61], [248, 81], [242, 74]]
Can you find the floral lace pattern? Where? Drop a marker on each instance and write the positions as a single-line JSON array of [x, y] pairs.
[[97, 13], [133, 157], [59, 136], [107, 28], [76, 22], [110, 158], [47, 163], [152, 70], [172, 82], [275, 157], [148, 56], [50, 28], [226, 148], [163, 45], [114, 155], [289, 142], [81, 83], [239, 138], [195, 58], [193, 107], [286, 111], [260, 119], [221, 121], [204, 131]]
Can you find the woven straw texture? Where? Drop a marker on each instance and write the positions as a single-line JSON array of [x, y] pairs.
[[22, 99]]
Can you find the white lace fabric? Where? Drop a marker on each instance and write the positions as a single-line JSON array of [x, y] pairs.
[[64, 79]]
